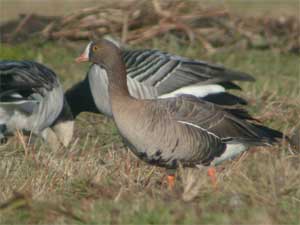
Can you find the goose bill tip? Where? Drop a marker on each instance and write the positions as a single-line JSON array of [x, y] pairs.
[[81, 58]]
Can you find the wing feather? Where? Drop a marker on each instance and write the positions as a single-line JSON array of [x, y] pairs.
[[219, 120], [24, 83], [26, 75], [169, 72]]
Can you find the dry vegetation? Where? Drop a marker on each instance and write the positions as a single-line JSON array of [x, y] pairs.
[[135, 21], [98, 181]]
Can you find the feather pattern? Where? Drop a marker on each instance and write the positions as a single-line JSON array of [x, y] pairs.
[[183, 129], [31, 96], [152, 74], [187, 130], [175, 142], [168, 72]]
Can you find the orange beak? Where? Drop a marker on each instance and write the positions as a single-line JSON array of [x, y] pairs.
[[82, 58]]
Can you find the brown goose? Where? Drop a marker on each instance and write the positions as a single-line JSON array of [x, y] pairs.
[[185, 130]]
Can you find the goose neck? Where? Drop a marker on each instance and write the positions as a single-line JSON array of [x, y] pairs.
[[117, 81]]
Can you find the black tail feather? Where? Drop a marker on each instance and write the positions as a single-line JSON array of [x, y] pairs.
[[269, 133], [225, 99]]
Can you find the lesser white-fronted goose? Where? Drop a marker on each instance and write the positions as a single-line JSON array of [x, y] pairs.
[[31, 99], [184, 129], [156, 74]]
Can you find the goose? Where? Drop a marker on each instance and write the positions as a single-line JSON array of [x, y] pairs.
[[181, 130], [32, 99], [156, 74]]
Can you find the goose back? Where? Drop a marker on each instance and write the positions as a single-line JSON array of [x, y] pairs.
[[31, 96], [167, 72]]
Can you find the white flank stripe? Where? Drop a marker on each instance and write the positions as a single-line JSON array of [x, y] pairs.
[[197, 91], [231, 151], [201, 128]]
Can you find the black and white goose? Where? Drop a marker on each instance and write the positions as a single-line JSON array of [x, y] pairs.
[[155, 74], [31, 100]]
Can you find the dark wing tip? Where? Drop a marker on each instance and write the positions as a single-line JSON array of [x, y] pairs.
[[224, 98], [270, 134], [239, 76]]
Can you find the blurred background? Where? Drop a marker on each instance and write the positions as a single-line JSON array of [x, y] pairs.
[[10, 9], [215, 23]]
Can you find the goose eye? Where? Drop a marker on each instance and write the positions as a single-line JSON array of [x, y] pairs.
[[95, 48]]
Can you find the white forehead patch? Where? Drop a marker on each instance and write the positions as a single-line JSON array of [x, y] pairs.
[[86, 52]]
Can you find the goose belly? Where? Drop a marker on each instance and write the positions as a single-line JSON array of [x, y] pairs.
[[166, 144]]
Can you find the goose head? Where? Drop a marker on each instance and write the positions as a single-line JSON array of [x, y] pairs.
[[102, 52]]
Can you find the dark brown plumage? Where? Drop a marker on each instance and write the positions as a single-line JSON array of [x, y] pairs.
[[185, 129]]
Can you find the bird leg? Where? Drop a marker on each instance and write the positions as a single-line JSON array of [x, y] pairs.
[[211, 172], [171, 179], [171, 182]]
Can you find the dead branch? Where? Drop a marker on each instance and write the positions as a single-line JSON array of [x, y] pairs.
[[125, 28], [136, 21], [72, 35]]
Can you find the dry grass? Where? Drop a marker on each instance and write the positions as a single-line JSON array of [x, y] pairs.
[[98, 181], [95, 185]]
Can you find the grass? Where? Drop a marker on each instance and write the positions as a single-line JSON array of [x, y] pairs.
[[98, 181]]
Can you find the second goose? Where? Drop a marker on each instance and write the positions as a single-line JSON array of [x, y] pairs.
[[156, 74], [32, 100]]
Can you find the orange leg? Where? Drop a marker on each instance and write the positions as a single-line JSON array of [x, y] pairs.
[[171, 182], [171, 178], [211, 172]]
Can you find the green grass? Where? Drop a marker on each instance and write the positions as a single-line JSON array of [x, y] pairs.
[[98, 181]]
